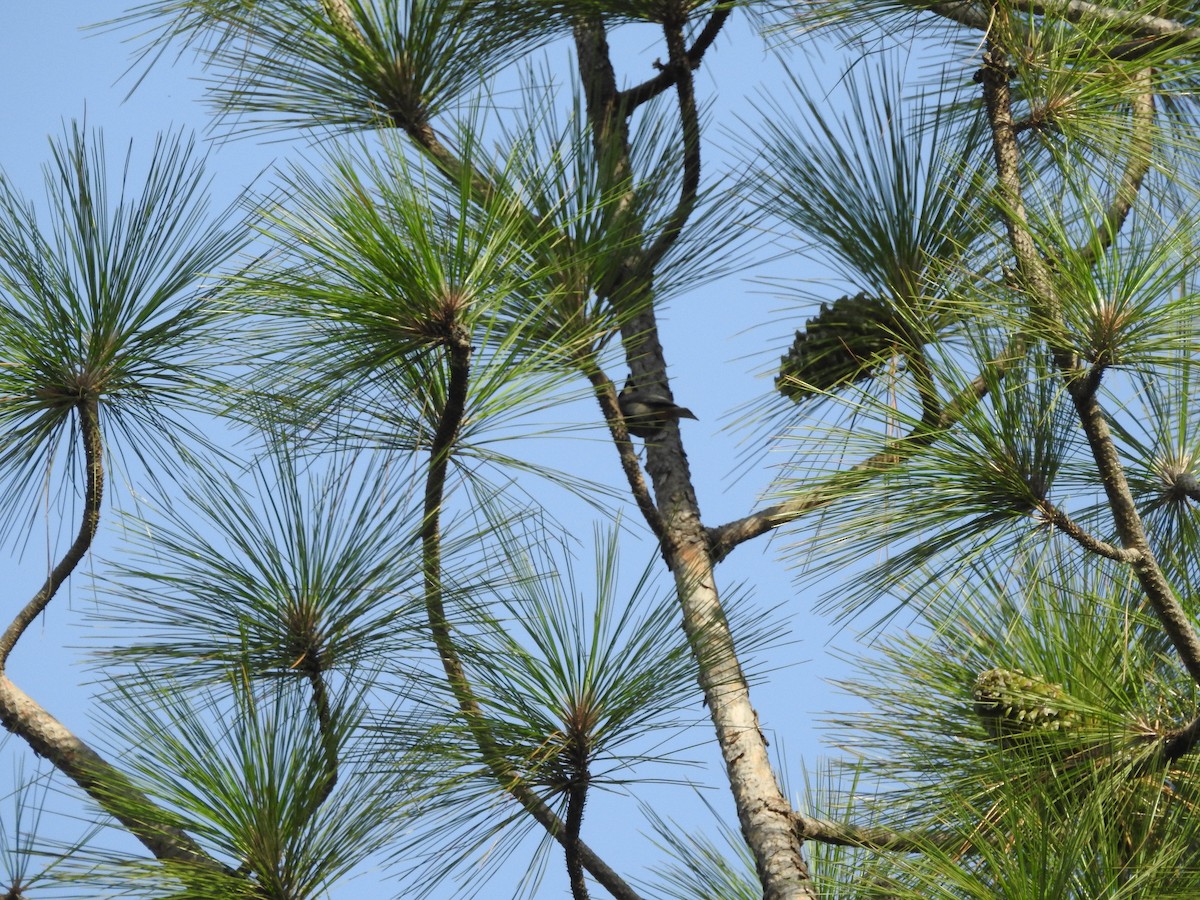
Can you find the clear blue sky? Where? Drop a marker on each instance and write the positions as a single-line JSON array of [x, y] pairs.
[[52, 72]]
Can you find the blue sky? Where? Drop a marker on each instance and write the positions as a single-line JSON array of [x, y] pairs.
[[719, 342]]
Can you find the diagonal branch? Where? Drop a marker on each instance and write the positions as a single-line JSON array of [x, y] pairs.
[[88, 408], [46, 736], [1158, 751], [606, 395], [459, 353], [966, 12], [1155, 31], [1179, 743], [1175, 619], [1137, 167], [722, 539], [1136, 24], [1187, 485], [577, 792], [458, 350], [329, 741], [116, 794], [872, 837], [1068, 526], [763, 810], [412, 122]]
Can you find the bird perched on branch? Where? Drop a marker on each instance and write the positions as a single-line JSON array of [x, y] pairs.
[[647, 411]]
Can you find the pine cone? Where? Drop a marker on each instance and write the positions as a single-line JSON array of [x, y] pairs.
[[1011, 704], [844, 343]]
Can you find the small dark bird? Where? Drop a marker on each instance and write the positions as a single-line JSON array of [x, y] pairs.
[[648, 412]]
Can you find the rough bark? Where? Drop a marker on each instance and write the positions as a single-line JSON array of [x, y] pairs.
[[116, 794], [764, 814]]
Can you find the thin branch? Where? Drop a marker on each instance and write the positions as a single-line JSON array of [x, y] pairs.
[[763, 811], [606, 396], [1171, 747], [1154, 31], [1187, 485], [88, 409], [577, 793], [413, 123], [966, 12], [1154, 752], [1068, 526], [46, 736], [931, 404], [1179, 743], [1137, 167], [872, 837], [608, 119], [722, 539], [1137, 25], [606, 109], [994, 77], [1175, 619], [1147, 33], [458, 349], [329, 743], [689, 125], [604, 874], [633, 97], [458, 353], [454, 168]]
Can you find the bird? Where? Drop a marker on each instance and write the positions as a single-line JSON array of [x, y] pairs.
[[647, 411]]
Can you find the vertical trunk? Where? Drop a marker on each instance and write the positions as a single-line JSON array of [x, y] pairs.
[[763, 812]]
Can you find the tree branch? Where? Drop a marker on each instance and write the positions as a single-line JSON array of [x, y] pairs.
[[1137, 167], [1165, 32], [979, 16], [633, 97], [1068, 526], [1175, 619], [88, 409], [722, 539], [1185, 484], [931, 404], [1171, 747], [689, 124], [458, 350], [329, 743], [116, 794], [763, 812], [1081, 384], [413, 122], [46, 736], [872, 837], [577, 792], [1137, 25], [605, 105], [606, 396], [1179, 743]]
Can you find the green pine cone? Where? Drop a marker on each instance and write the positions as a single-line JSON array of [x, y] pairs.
[[1011, 703]]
